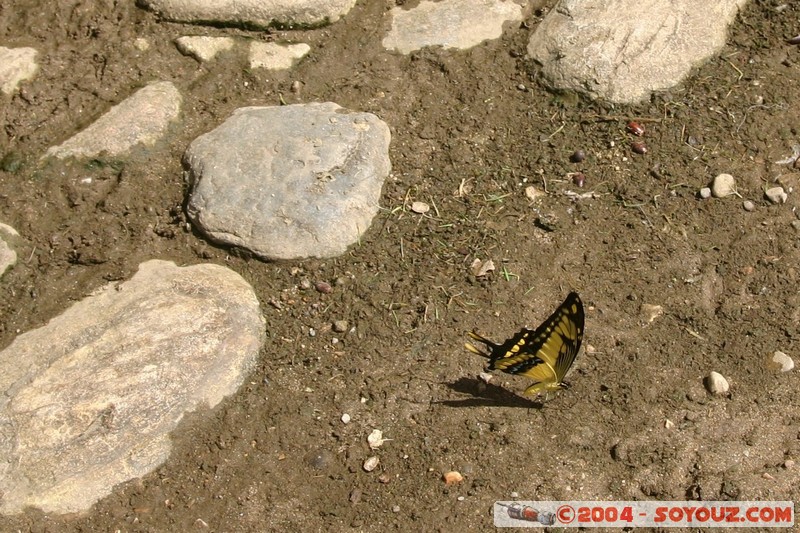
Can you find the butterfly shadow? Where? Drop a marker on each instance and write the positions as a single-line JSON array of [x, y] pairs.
[[486, 394]]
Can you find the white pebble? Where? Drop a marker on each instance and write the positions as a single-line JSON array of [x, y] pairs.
[[420, 207], [776, 195], [724, 185], [460, 498], [515, 495], [748, 205], [783, 361], [650, 312], [371, 464], [345, 418], [705, 193], [375, 439], [533, 193], [716, 384]]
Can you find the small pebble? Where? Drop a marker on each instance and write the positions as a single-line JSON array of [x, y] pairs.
[[340, 326], [521, 87], [716, 383], [776, 195], [384, 478], [320, 459], [669, 424], [346, 418], [452, 477], [420, 208], [796, 224], [650, 312], [579, 179], [748, 205], [705, 193], [461, 498], [375, 439], [639, 147], [783, 361], [305, 284], [788, 463], [724, 185], [355, 496], [396, 509], [324, 287], [296, 86], [514, 495], [533, 193], [577, 156], [371, 464]]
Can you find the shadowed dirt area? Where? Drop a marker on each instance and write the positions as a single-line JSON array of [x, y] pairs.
[[470, 131]]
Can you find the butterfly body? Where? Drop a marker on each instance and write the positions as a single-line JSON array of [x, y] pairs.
[[544, 354]]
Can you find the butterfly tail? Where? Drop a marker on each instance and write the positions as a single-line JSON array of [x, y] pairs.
[[483, 340]]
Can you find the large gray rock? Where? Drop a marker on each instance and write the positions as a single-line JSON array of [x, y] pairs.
[[290, 181], [621, 51], [449, 23], [141, 119], [16, 66], [260, 13], [88, 400]]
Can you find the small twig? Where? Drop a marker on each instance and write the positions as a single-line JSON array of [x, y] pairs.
[[694, 333], [741, 74]]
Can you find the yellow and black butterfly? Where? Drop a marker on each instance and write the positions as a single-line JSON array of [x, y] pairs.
[[545, 354]]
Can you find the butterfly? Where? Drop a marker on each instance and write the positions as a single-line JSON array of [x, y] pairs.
[[544, 354]]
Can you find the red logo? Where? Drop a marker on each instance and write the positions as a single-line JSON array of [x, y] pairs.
[[565, 514]]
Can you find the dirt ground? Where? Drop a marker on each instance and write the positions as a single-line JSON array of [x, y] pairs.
[[470, 131]]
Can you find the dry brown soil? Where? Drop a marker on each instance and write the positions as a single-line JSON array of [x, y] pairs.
[[470, 131]]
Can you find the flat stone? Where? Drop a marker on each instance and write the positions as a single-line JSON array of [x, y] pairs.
[[776, 195], [8, 241], [289, 181], [449, 23], [16, 66], [120, 369], [622, 51], [141, 119], [203, 48], [275, 56], [258, 13]]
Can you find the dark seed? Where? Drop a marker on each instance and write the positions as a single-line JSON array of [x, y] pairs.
[[794, 40], [578, 179], [639, 147], [635, 128], [577, 156]]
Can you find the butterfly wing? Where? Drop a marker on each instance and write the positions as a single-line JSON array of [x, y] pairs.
[[569, 320], [545, 354]]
